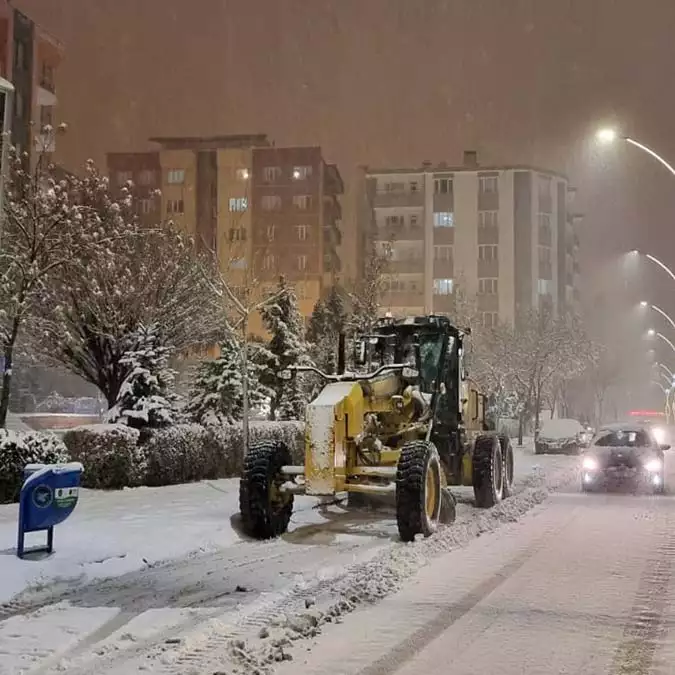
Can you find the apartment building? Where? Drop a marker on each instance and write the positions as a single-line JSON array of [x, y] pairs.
[[267, 211], [29, 58], [505, 234]]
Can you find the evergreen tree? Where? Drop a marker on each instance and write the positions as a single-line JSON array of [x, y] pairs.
[[287, 347], [216, 395], [145, 399], [328, 320]]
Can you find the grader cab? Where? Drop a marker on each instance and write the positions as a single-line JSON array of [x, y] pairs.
[[408, 424]]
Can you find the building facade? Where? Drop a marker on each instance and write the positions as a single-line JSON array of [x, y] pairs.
[[266, 211], [29, 59], [503, 235]]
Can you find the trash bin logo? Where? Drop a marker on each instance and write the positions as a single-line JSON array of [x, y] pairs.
[[66, 497], [43, 496]]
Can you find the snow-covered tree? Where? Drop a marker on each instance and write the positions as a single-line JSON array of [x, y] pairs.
[[366, 294], [145, 399], [216, 395], [287, 347], [41, 233], [140, 275], [328, 320]]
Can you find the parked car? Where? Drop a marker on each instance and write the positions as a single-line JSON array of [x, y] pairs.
[[564, 436]]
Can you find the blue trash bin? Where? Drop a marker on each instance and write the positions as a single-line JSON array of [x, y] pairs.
[[48, 496]]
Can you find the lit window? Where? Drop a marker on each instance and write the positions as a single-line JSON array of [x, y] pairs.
[[487, 219], [487, 287], [444, 219], [269, 262], [302, 202], [175, 176], [238, 203], [242, 174], [302, 172], [487, 252], [443, 286], [302, 262], [488, 184], [443, 252], [545, 286], [271, 202], [302, 232]]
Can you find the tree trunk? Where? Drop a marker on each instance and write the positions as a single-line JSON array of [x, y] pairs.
[[7, 372]]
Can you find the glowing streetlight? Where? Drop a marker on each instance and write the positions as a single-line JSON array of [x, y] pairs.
[[607, 136], [644, 303], [651, 332]]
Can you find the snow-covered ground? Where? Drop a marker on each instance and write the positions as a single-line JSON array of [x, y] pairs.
[[159, 575]]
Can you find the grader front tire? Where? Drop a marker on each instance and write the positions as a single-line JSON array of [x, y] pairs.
[[265, 510], [488, 472], [418, 490]]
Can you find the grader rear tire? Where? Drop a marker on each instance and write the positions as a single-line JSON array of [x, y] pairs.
[[488, 472], [265, 510], [418, 490], [509, 463]]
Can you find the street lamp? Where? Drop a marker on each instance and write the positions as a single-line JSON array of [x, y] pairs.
[[655, 260], [608, 136], [651, 333], [644, 303], [669, 372]]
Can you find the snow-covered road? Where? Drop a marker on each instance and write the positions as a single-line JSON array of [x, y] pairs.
[[181, 616]]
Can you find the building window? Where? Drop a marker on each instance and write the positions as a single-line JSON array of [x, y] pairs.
[[414, 221], [271, 174], [444, 219], [269, 262], [327, 262], [271, 202], [414, 186], [302, 202], [442, 186], [545, 255], [394, 221], [237, 234], [545, 286], [544, 187], [271, 231], [443, 252], [487, 252], [488, 184], [302, 172], [487, 287], [488, 219], [124, 177], [46, 116], [490, 319], [147, 206], [175, 176], [302, 232], [175, 206], [146, 177], [300, 292], [443, 286], [301, 261], [393, 187], [238, 204], [238, 263]]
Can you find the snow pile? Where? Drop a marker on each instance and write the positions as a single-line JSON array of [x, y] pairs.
[[17, 449]]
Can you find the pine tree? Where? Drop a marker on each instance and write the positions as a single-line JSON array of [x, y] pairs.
[[216, 395], [328, 320], [287, 347], [145, 399]]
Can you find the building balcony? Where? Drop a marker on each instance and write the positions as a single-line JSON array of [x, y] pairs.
[[402, 299], [398, 199], [488, 235], [406, 266], [545, 270], [488, 268], [46, 98], [332, 235], [444, 303], [444, 269], [398, 233], [545, 236], [332, 180], [488, 302]]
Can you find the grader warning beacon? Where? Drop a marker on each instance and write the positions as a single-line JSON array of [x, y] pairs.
[[410, 425]]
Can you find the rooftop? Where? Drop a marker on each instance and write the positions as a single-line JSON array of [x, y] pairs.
[[211, 142], [442, 167]]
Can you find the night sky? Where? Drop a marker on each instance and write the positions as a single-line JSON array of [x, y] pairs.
[[387, 82]]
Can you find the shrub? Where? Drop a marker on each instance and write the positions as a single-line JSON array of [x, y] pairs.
[[110, 454], [20, 448]]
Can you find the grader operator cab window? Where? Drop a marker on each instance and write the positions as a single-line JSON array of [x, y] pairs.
[[431, 368]]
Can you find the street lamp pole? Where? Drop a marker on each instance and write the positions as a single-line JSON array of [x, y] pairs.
[[611, 135], [666, 340], [644, 303], [669, 372]]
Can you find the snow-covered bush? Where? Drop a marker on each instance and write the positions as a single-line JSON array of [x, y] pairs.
[[20, 448], [110, 454], [180, 454], [145, 399]]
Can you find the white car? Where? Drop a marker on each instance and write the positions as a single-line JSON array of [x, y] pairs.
[[624, 452]]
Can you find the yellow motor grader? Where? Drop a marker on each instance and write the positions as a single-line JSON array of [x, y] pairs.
[[409, 425]]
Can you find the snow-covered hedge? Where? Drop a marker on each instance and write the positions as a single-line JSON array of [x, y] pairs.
[[110, 454], [20, 448], [116, 456]]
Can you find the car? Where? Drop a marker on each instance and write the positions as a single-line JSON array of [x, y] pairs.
[[624, 452], [559, 436]]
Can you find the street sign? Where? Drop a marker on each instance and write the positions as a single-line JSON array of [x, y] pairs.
[[48, 496]]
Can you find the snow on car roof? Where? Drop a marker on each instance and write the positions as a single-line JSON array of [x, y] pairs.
[[560, 428]]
